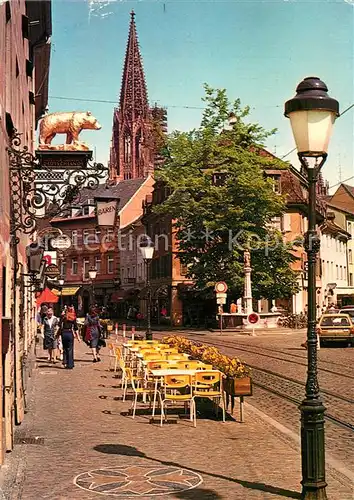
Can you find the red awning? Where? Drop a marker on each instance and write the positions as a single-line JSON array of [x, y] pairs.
[[48, 297]]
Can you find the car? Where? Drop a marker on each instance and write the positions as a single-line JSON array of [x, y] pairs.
[[348, 310], [336, 327]]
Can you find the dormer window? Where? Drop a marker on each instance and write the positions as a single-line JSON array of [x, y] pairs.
[[276, 183]]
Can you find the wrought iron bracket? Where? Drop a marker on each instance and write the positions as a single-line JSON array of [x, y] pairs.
[[33, 199]]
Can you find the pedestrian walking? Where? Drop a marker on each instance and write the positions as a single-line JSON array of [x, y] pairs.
[[233, 307], [69, 331], [50, 326], [93, 333]]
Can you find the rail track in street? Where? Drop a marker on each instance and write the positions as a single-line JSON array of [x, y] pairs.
[[255, 350], [292, 390]]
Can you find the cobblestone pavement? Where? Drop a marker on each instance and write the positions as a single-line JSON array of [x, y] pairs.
[[89, 447], [281, 354]]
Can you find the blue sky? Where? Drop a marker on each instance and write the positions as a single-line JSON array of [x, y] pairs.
[[258, 50]]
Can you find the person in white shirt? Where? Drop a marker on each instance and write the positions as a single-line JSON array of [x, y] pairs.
[[50, 328]]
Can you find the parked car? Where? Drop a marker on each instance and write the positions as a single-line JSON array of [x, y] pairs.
[[348, 310], [336, 327]]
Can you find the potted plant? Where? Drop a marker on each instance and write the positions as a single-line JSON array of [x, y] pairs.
[[238, 380]]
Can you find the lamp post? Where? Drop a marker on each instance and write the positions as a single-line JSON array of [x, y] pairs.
[[92, 274], [312, 114], [61, 283], [147, 252]]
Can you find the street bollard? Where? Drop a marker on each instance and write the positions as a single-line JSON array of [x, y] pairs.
[[116, 331], [133, 332], [124, 329]]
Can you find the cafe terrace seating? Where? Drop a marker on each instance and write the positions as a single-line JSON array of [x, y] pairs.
[[160, 373]]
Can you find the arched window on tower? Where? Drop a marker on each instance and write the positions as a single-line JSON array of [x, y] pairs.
[[127, 149], [138, 140]]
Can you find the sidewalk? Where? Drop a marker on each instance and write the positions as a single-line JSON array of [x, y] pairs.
[[82, 426]]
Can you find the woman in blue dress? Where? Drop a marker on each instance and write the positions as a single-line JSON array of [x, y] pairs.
[[93, 333]]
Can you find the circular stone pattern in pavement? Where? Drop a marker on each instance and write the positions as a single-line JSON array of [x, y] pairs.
[[138, 480]]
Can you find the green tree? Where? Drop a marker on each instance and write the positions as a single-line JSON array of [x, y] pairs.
[[216, 223]]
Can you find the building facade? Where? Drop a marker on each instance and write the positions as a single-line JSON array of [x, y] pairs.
[[25, 29], [97, 248], [341, 204], [293, 224], [334, 261]]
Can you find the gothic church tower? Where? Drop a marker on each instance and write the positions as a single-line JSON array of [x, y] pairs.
[[131, 155]]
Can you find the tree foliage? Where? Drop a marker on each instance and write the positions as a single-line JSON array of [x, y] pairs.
[[216, 223]]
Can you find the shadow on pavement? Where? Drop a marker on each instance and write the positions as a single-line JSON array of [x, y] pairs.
[[198, 494], [131, 451]]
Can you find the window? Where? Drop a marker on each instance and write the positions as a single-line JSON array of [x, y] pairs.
[[110, 234], [98, 264], [74, 237], [8, 11], [350, 256], [219, 179], [86, 236], [184, 269], [110, 263], [344, 272], [97, 235], [276, 183], [340, 272], [350, 228], [74, 268], [63, 269], [86, 210], [337, 272], [86, 267], [350, 279], [277, 223], [25, 27]]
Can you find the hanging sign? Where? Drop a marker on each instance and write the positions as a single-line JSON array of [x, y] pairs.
[[62, 242], [52, 271], [106, 211]]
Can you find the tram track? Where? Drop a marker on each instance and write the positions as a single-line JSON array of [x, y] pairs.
[[291, 389], [299, 356], [297, 402], [256, 351]]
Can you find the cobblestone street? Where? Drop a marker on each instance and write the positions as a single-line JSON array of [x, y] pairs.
[[81, 425]]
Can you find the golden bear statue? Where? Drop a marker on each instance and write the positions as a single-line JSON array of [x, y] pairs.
[[71, 124]]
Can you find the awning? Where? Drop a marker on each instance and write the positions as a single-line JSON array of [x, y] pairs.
[[47, 297], [117, 296], [66, 291]]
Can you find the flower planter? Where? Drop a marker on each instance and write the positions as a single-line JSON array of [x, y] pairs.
[[238, 386]]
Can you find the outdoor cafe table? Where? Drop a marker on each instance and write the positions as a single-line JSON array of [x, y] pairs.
[[158, 374]]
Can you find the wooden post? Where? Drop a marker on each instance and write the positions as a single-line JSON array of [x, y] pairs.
[[241, 409]]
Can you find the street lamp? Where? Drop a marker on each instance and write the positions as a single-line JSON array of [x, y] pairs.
[[92, 275], [312, 114], [147, 252]]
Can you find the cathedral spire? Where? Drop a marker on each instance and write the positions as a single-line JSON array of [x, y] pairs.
[[133, 97]]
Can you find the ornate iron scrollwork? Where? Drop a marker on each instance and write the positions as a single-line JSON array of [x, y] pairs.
[[36, 192]]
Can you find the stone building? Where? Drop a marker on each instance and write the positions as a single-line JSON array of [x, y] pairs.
[[25, 30]]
